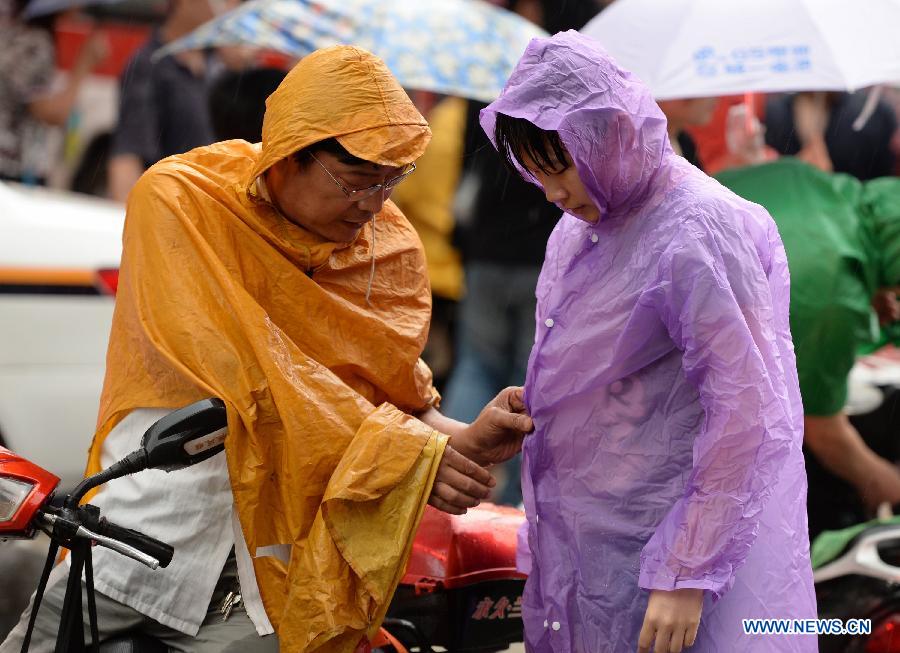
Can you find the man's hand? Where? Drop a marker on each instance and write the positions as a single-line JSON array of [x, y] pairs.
[[496, 434], [95, 49], [882, 485], [839, 447], [887, 305], [460, 483], [671, 621]]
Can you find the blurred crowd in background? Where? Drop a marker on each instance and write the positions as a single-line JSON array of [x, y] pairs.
[[84, 105]]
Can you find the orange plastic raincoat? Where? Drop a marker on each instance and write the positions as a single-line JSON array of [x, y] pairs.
[[219, 295]]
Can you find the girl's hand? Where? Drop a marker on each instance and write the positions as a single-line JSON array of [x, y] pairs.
[[671, 621]]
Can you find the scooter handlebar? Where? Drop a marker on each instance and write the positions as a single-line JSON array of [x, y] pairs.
[[144, 543]]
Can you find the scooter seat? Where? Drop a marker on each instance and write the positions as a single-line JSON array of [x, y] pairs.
[[460, 550]]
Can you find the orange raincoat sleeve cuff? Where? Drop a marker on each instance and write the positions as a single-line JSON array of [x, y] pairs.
[[343, 576]]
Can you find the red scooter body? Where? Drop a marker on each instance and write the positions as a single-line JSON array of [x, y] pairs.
[[461, 589], [21, 476], [455, 551]]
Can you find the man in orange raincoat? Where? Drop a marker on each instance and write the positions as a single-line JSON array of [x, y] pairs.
[[278, 277]]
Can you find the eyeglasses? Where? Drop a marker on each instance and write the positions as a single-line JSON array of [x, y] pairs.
[[360, 194]]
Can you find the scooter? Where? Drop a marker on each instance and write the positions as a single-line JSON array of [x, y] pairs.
[[461, 590], [28, 505], [861, 579]]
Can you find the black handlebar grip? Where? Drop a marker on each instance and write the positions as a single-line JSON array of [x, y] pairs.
[[149, 545]]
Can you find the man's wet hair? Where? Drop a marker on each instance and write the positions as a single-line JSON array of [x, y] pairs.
[[517, 138], [329, 146]]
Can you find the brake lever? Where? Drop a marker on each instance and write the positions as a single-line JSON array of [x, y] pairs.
[[81, 532]]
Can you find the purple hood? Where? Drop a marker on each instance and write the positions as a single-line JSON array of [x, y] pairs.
[[605, 116]]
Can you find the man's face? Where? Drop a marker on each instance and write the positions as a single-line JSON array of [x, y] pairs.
[[309, 197]]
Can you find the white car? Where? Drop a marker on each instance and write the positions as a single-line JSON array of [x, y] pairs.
[[59, 259]]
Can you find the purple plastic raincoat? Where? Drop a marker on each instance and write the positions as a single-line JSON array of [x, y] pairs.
[[667, 446]]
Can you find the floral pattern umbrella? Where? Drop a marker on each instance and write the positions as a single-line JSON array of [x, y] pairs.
[[458, 47]]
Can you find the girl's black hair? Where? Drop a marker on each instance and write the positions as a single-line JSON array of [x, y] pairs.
[[517, 137]]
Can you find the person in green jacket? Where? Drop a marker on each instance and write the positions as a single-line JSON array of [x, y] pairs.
[[843, 245]]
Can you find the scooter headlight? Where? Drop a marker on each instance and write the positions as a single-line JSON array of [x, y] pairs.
[[12, 495]]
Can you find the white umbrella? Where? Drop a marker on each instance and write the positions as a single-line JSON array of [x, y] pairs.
[[704, 48]]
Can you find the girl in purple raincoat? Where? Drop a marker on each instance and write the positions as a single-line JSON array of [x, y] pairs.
[[664, 484]]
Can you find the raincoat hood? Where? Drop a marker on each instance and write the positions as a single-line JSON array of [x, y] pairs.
[[220, 295], [368, 112], [606, 117]]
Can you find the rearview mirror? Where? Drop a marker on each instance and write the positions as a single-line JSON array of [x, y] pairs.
[[182, 438], [187, 436]]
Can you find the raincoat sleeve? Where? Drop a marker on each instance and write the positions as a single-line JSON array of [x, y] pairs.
[[716, 301]]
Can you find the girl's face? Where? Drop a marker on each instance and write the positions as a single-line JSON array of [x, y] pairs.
[[563, 187]]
